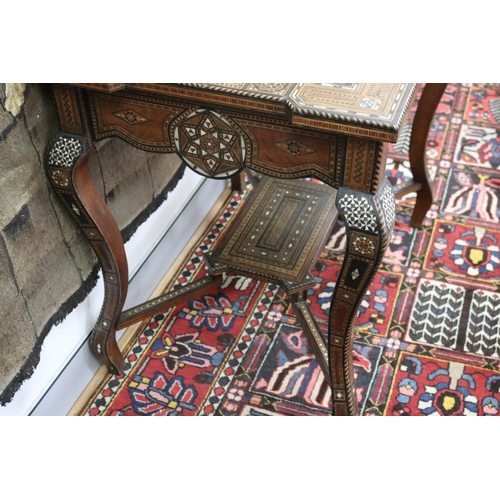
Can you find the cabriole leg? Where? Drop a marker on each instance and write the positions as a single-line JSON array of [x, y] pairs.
[[369, 220], [66, 162]]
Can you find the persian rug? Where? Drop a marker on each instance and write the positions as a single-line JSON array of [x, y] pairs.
[[47, 266], [427, 336]]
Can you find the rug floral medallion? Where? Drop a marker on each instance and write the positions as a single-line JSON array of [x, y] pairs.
[[428, 332]]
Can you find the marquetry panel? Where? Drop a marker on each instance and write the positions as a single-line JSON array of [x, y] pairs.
[[143, 122], [359, 162], [363, 244], [256, 89], [328, 125], [280, 230], [210, 143], [339, 320], [217, 96], [75, 207], [276, 149], [372, 110], [67, 108], [372, 104], [375, 103], [337, 374], [61, 157], [356, 273]]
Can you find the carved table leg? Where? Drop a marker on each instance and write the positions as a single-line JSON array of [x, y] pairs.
[[427, 105], [369, 221], [238, 181], [66, 161]]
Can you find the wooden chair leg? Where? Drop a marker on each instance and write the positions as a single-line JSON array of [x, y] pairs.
[[238, 181], [427, 105]]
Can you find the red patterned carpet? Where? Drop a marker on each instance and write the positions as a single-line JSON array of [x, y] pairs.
[[428, 332]]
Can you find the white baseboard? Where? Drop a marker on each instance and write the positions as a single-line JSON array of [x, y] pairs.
[[66, 362]]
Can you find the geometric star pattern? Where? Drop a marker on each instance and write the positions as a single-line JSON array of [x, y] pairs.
[[209, 144], [61, 178], [358, 212], [64, 151], [364, 245]]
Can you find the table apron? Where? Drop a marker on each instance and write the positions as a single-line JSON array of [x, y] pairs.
[[218, 143]]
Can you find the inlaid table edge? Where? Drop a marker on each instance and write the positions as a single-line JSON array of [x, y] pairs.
[[333, 121]]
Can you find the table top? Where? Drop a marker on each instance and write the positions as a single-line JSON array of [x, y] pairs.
[[374, 110]]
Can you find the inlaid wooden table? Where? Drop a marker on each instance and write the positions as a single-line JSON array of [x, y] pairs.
[[335, 132]]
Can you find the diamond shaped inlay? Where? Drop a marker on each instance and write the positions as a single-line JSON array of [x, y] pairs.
[[130, 117], [293, 148]]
